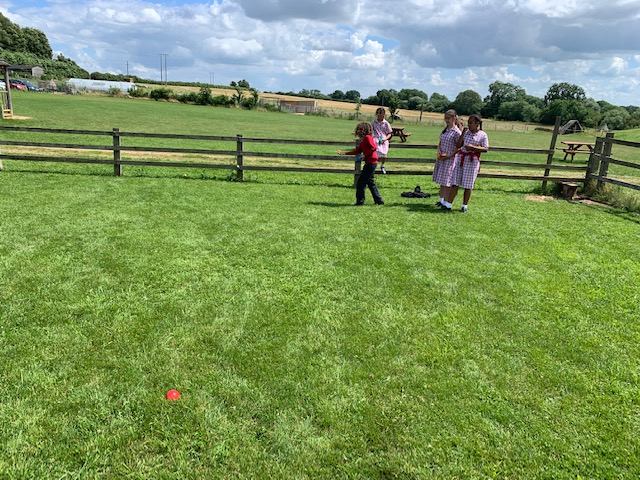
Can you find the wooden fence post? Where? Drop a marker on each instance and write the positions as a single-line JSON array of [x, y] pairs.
[[117, 166], [552, 148], [357, 166], [239, 159], [604, 164], [593, 159]]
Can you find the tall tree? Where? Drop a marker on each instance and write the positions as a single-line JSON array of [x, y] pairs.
[[353, 95], [564, 91], [468, 102], [566, 109], [438, 103], [36, 42], [500, 92], [11, 36]]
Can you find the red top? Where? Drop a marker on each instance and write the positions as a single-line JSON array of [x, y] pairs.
[[368, 148]]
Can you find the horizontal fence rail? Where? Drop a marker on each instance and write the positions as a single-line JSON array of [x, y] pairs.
[[602, 158], [240, 158]]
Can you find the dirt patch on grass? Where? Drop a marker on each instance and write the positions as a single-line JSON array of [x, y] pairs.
[[539, 198]]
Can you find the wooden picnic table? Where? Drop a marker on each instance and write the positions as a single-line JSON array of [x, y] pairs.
[[573, 148], [399, 132]]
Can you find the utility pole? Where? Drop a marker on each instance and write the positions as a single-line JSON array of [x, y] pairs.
[[163, 66]]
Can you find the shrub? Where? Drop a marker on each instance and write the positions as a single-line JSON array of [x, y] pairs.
[[221, 100], [191, 97], [271, 106], [161, 94], [139, 92]]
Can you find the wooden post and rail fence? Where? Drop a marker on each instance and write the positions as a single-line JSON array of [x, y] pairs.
[[242, 159]]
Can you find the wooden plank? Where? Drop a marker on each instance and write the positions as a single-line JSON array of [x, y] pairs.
[[296, 169], [56, 130], [623, 163], [56, 145], [616, 182], [627, 143]]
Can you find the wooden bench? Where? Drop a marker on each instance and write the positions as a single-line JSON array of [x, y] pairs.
[[572, 152], [399, 132]]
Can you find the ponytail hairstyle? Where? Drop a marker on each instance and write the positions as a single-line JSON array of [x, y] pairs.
[[478, 119], [450, 113]]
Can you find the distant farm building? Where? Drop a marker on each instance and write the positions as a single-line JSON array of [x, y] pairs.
[[299, 106], [79, 84]]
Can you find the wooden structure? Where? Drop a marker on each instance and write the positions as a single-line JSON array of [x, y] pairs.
[[569, 190], [572, 126], [5, 95], [400, 133], [240, 154], [602, 157], [299, 106], [573, 148]]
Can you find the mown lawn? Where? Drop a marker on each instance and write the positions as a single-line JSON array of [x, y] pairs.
[[309, 338]]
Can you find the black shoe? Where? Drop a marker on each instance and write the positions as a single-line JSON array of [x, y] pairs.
[[445, 209], [439, 203]]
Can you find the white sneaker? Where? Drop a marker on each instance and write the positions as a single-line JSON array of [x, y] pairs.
[[382, 170], [463, 209]]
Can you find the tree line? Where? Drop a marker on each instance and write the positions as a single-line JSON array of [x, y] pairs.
[[505, 101], [30, 47]]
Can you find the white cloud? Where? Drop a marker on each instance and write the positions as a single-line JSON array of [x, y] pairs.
[[289, 45], [617, 66]]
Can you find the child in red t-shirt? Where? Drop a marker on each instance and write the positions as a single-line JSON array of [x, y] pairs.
[[367, 147]]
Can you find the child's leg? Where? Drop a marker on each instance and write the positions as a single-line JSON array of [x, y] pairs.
[[466, 196], [363, 180], [453, 191], [373, 188]]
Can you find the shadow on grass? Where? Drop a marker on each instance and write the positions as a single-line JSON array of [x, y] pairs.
[[331, 204], [611, 210], [424, 207]]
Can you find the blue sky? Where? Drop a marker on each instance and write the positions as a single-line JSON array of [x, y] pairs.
[[290, 45]]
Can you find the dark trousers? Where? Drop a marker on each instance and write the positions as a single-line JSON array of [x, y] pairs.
[[366, 180]]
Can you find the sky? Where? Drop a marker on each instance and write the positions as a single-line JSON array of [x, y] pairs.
[[365, 45]]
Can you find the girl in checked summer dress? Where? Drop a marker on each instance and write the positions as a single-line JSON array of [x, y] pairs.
[[447, 149], [471, 145]]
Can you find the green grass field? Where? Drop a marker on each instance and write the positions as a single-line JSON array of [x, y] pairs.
[[309, 338]]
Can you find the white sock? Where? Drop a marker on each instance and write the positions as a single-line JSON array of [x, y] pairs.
[[447, 204], [464, 206], [441, 200]]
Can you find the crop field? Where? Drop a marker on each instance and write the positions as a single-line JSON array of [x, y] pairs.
[[307, 338]]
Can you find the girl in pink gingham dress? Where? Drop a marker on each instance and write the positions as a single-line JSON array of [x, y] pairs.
[[447, 148], [471, 144], [381, 133]]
